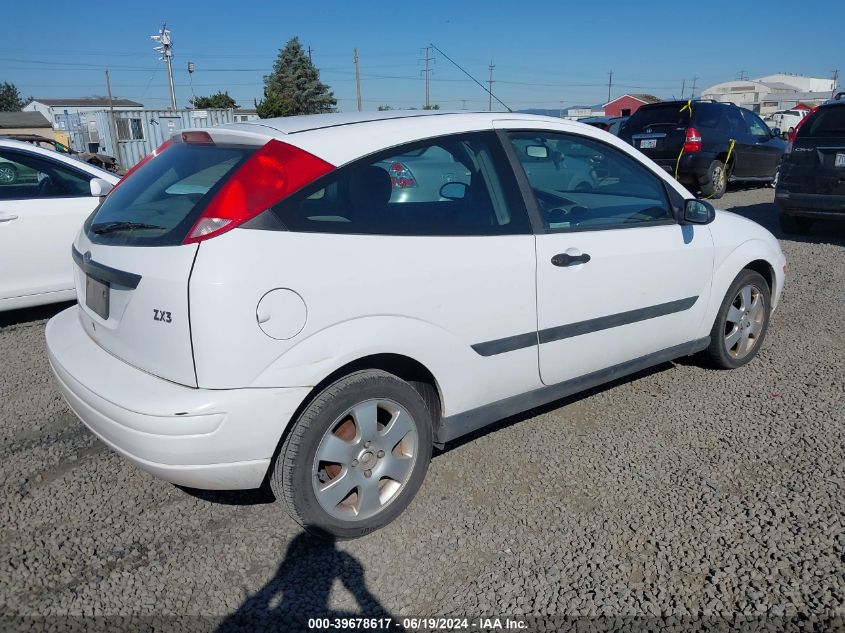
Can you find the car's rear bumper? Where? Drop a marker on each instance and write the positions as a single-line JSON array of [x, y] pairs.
[[810, 205], [214, 439], [692, 167]]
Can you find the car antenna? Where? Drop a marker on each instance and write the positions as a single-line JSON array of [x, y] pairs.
[[471, 77]]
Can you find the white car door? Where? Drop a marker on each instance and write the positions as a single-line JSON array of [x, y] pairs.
[[43, 203], [618, 279]]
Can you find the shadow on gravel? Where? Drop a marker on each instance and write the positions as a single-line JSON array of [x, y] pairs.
[[299, 591], [258, 496], [24, 315], [766, 214], [557, 404]]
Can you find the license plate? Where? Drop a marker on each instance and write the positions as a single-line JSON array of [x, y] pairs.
[[840, 160], [648, 143], [97, 296]]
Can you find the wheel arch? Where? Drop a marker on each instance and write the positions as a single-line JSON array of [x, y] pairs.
[[400, 365], [753, 254]]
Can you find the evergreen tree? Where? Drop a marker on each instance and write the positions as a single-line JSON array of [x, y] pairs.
[[294, 86], [219, 99], [10, 98]]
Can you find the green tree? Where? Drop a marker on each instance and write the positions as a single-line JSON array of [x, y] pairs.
[[10, 98], [294, 86], [219, 99], [385, 108], [433, 106]]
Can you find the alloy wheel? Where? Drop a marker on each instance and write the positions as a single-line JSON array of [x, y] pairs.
[[365, 459], [744, 322]]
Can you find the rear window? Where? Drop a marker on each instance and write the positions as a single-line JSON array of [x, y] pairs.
[[159, 203], [705, 115], [826, 122], [657, 116]]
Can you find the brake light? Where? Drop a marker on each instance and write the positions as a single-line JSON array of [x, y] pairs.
[[267, 177], [146, 159], [400, 176], [197, 137], [692, 141]]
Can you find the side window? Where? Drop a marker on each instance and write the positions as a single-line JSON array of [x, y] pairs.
[[583, 184], [28, 176], [456, 185], [737, 126], [755, 124]]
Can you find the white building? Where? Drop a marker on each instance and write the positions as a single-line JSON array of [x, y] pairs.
[[773, 92], [75, 117], [57, 110]]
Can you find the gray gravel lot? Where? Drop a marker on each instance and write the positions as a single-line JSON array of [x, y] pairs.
[[681, 491]]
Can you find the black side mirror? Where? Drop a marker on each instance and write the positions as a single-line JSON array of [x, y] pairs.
[[698, 212], [454, 190]]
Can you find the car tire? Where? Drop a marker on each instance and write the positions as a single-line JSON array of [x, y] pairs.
[[717, 181], [794, 225], [742, 322], [356, 455], [8, 174]]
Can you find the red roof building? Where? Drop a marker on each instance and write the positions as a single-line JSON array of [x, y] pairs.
[[626, 105]]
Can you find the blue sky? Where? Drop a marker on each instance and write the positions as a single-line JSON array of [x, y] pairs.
[[546, 54]]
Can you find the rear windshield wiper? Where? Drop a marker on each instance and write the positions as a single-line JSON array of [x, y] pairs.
[[111, 227]]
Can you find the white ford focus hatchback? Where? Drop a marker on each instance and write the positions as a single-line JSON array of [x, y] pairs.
[[317, 301]]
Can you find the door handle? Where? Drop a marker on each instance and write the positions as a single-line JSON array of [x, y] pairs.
[[565, 259], [8, 218]]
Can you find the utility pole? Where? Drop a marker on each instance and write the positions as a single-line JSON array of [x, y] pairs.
[[426, 72], [358, 81], [683, 87], [609, 84], [692, 91], [835, 80], [112, 128], [490, 87], [309, 55], [743, 75], [166, 51], [463, 104]]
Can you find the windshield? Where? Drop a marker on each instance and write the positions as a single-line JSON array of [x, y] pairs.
[[158, 204]]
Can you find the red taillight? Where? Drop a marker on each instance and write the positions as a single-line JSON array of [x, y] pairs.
[[268, 176], [146, 159], [400, 176], [692, 142]]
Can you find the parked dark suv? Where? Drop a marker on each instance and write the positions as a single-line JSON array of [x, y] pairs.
[[812, 182], [662, 130]]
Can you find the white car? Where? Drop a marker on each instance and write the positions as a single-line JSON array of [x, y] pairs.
[[255, 305], [45, 197], [787, 120]]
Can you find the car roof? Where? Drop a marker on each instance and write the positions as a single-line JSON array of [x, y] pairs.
[[59, 157], [311, 122]]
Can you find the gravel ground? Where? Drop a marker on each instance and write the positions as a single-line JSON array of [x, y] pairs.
[[681, 491]]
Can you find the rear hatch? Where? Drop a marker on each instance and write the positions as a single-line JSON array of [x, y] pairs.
[[135, 254], [658, 130], [816, 164]]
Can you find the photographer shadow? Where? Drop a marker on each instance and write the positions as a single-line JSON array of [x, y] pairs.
[[298, 594]]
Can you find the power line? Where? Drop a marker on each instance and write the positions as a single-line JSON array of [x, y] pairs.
[[471, 77]]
